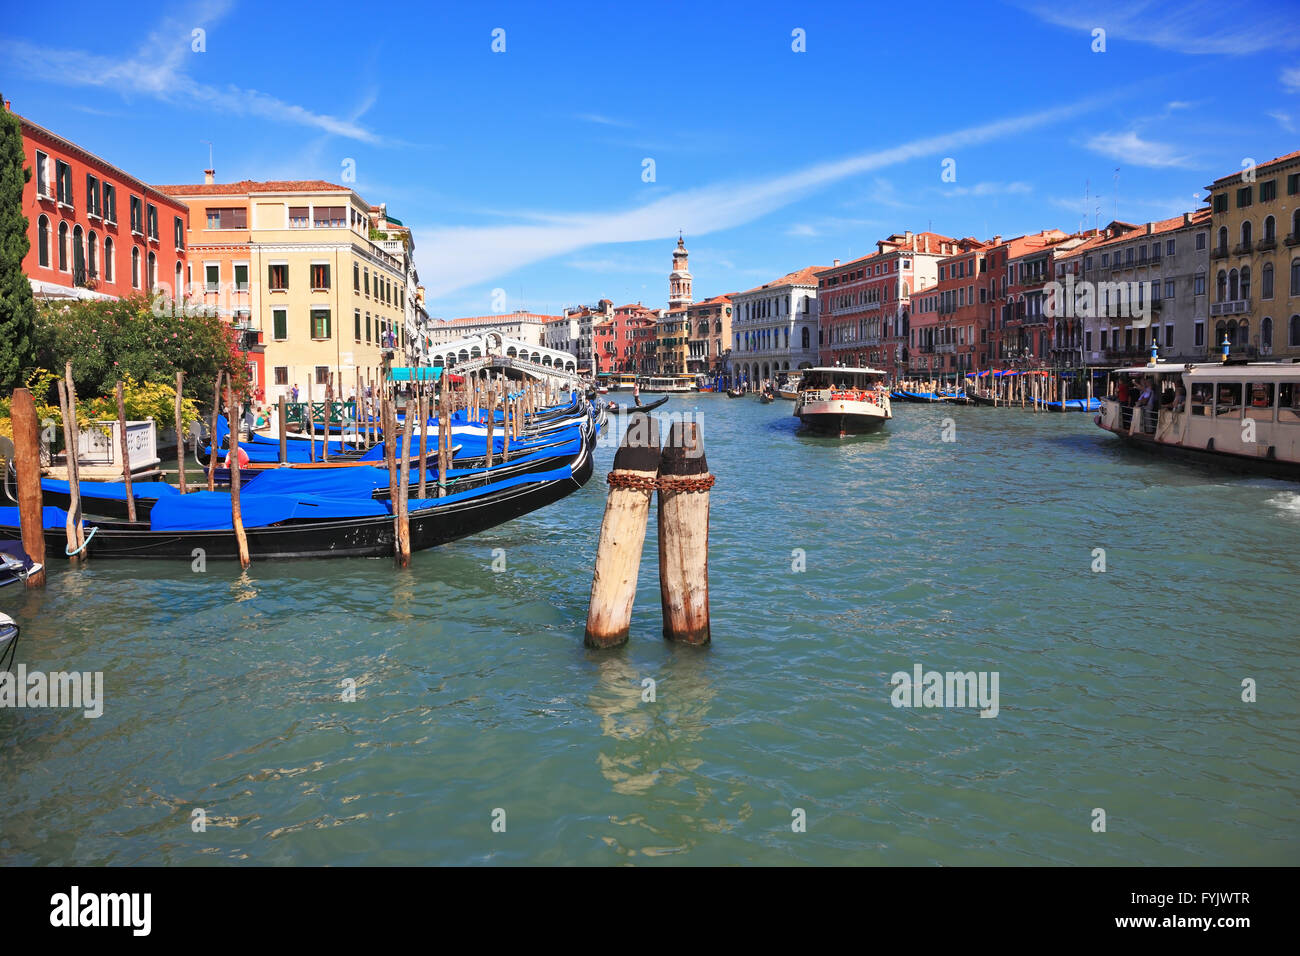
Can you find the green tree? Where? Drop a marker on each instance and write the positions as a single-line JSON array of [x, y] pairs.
[[17, 309]]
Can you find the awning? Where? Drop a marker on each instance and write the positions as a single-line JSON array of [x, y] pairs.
[[421, 374]]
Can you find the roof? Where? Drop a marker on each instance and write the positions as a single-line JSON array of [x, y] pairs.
[[248, 187], [804, 276], [505, 319], [1233, 177], [1200, 217]]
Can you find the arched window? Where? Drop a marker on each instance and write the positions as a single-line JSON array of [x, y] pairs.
[[78, 256], [1220, 331], [1223, 239], [1266, 332], [176, 289], [108, 258], [1270, 229], [1245, 234], [805, 337], [63, 247], [153, 271], [92, 256], [1221, 286], [1293, 335], [1295, 276], [1295, 224], [43, 241], [1234, 285], [1243, 332], [135, 267], [1266, 281], [1245, 282]]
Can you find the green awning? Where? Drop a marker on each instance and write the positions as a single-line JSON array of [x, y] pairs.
[[422, 374]]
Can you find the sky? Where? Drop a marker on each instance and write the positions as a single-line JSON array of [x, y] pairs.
[[558, 168]]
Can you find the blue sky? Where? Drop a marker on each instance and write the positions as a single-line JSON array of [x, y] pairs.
[[523, 170]]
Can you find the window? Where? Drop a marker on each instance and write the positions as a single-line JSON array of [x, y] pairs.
[[212, 277], [1295, 276], [1268, 190], [326, 217], [63, 247], [1293, 184], [277, 278], [297, 217], [152, 271], [153, 221], [108, 258], [1200, 242], [322, 374], [232, 217], [1199, 335], [1270, 230], [135, 267], [1198, 284], [1244, 195], [1169, 288], [1221, 202], [92, 195], [63, 173], [1266, 281], [42, 174], [356, 323], [1169, 247], [137, 215], [356, 277], [367, 281], [279, 324], [320, 276], [1105, 259], [1293, 332], [178, 228], [177, 286], [1227, 400], [1288, 399], [1266, 332], [320, 323], [241, 277], [43, 241], [281, 375]]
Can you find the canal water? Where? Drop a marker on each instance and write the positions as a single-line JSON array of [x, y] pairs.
[[835, 564]]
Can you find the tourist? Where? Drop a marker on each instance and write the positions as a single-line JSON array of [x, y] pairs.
[[295, 394], [1180, 398], [1121, 391]]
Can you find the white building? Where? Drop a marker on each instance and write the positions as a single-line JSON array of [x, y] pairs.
[[774, 327], [529, 327], [533, 359]]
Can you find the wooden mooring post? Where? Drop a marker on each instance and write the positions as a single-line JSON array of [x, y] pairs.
[[71, 443], [236, 513], [424, 441], [126, 453], [180, 436], [684, 483], [284, 431], [27, 463], [311, 425], [622, 533], [403, 485], [212, 435]]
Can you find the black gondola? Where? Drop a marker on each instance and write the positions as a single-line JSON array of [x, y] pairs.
[[627, 409]]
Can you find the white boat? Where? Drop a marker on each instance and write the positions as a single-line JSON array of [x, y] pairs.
[[843, 401], [669, 383], [1245, 415], [790, 390]]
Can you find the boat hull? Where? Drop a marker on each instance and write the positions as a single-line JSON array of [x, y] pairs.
[[1229, 461]]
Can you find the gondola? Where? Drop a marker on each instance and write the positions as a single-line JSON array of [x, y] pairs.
[[735, 393], [626, 409], [766, 398], [303, 526]]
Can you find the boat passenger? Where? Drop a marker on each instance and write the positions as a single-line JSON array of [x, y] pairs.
[[1180, 398], [243, 458]]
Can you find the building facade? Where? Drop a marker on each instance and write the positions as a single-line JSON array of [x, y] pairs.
[[774, 327], [95, 230], [708, 335], [1255, 259], [529, 327]]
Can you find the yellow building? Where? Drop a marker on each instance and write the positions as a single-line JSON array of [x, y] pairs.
[[294, 264], [672, 341], [1255, 260]]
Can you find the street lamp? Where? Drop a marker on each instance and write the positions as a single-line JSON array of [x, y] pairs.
[[1226, 346]]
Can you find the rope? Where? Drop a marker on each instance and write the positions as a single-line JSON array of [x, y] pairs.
[[639, 482], [73, 554]]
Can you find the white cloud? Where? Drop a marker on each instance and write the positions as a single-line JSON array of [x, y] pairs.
[[1290, 78], [1129, 147], [601, 120], [990, 189], [1284, 120], [465, 255], [1225, 27], [157, 70]]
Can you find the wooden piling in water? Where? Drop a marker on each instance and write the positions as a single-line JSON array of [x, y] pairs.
[[27, 464], [126, 453], [212, 435], [311, 424], [684, 483], [622, 533], [424, 442], [403, 486], [180, 437], [236, 513], [72, 443], [284, 431], [491, 420]]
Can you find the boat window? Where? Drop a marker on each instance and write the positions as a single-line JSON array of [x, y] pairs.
[[1288, 403], [1227, 399], [1202, 398], [1261, 401]]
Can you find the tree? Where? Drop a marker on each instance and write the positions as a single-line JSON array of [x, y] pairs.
[[17, 309]]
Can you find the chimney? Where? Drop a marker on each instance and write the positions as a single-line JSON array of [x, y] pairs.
[[926, 243], [7, 106], [1187, 216], [834, 262], [1151, 227], [209, 176], [996, 240]]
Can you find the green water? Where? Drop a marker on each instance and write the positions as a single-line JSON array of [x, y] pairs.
[[1118, 690]]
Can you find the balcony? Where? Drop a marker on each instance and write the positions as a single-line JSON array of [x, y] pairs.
[[1242, 249], [947, 348], [1231, 307], [1293, 238], [1266, 245], [1219, 253]]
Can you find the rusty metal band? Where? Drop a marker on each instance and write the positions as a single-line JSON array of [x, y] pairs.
[[681, 483]]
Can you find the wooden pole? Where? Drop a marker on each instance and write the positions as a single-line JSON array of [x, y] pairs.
[[507, 424], [424, 442], [236, 514], [126, 454], [390, 460], [180, 437], [403, 486], [284, 432], [216, 412], [684, 535], [27, 463], [622, 534], [311, 422], [329, 414], [75, 531], [491, 420], [444, 436]]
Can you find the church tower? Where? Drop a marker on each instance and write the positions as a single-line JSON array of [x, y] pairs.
[[679, 281]]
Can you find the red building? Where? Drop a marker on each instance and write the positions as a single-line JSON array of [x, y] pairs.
[[95, 231], [620, 342], [1023, 336], [959, 340]]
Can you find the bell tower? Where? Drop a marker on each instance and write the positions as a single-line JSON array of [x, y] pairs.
[[679, 280]]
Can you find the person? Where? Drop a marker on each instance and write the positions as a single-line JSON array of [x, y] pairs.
[[1180, 398], [243, 458], [1147, 402], [1121, 391], [295, 393]]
